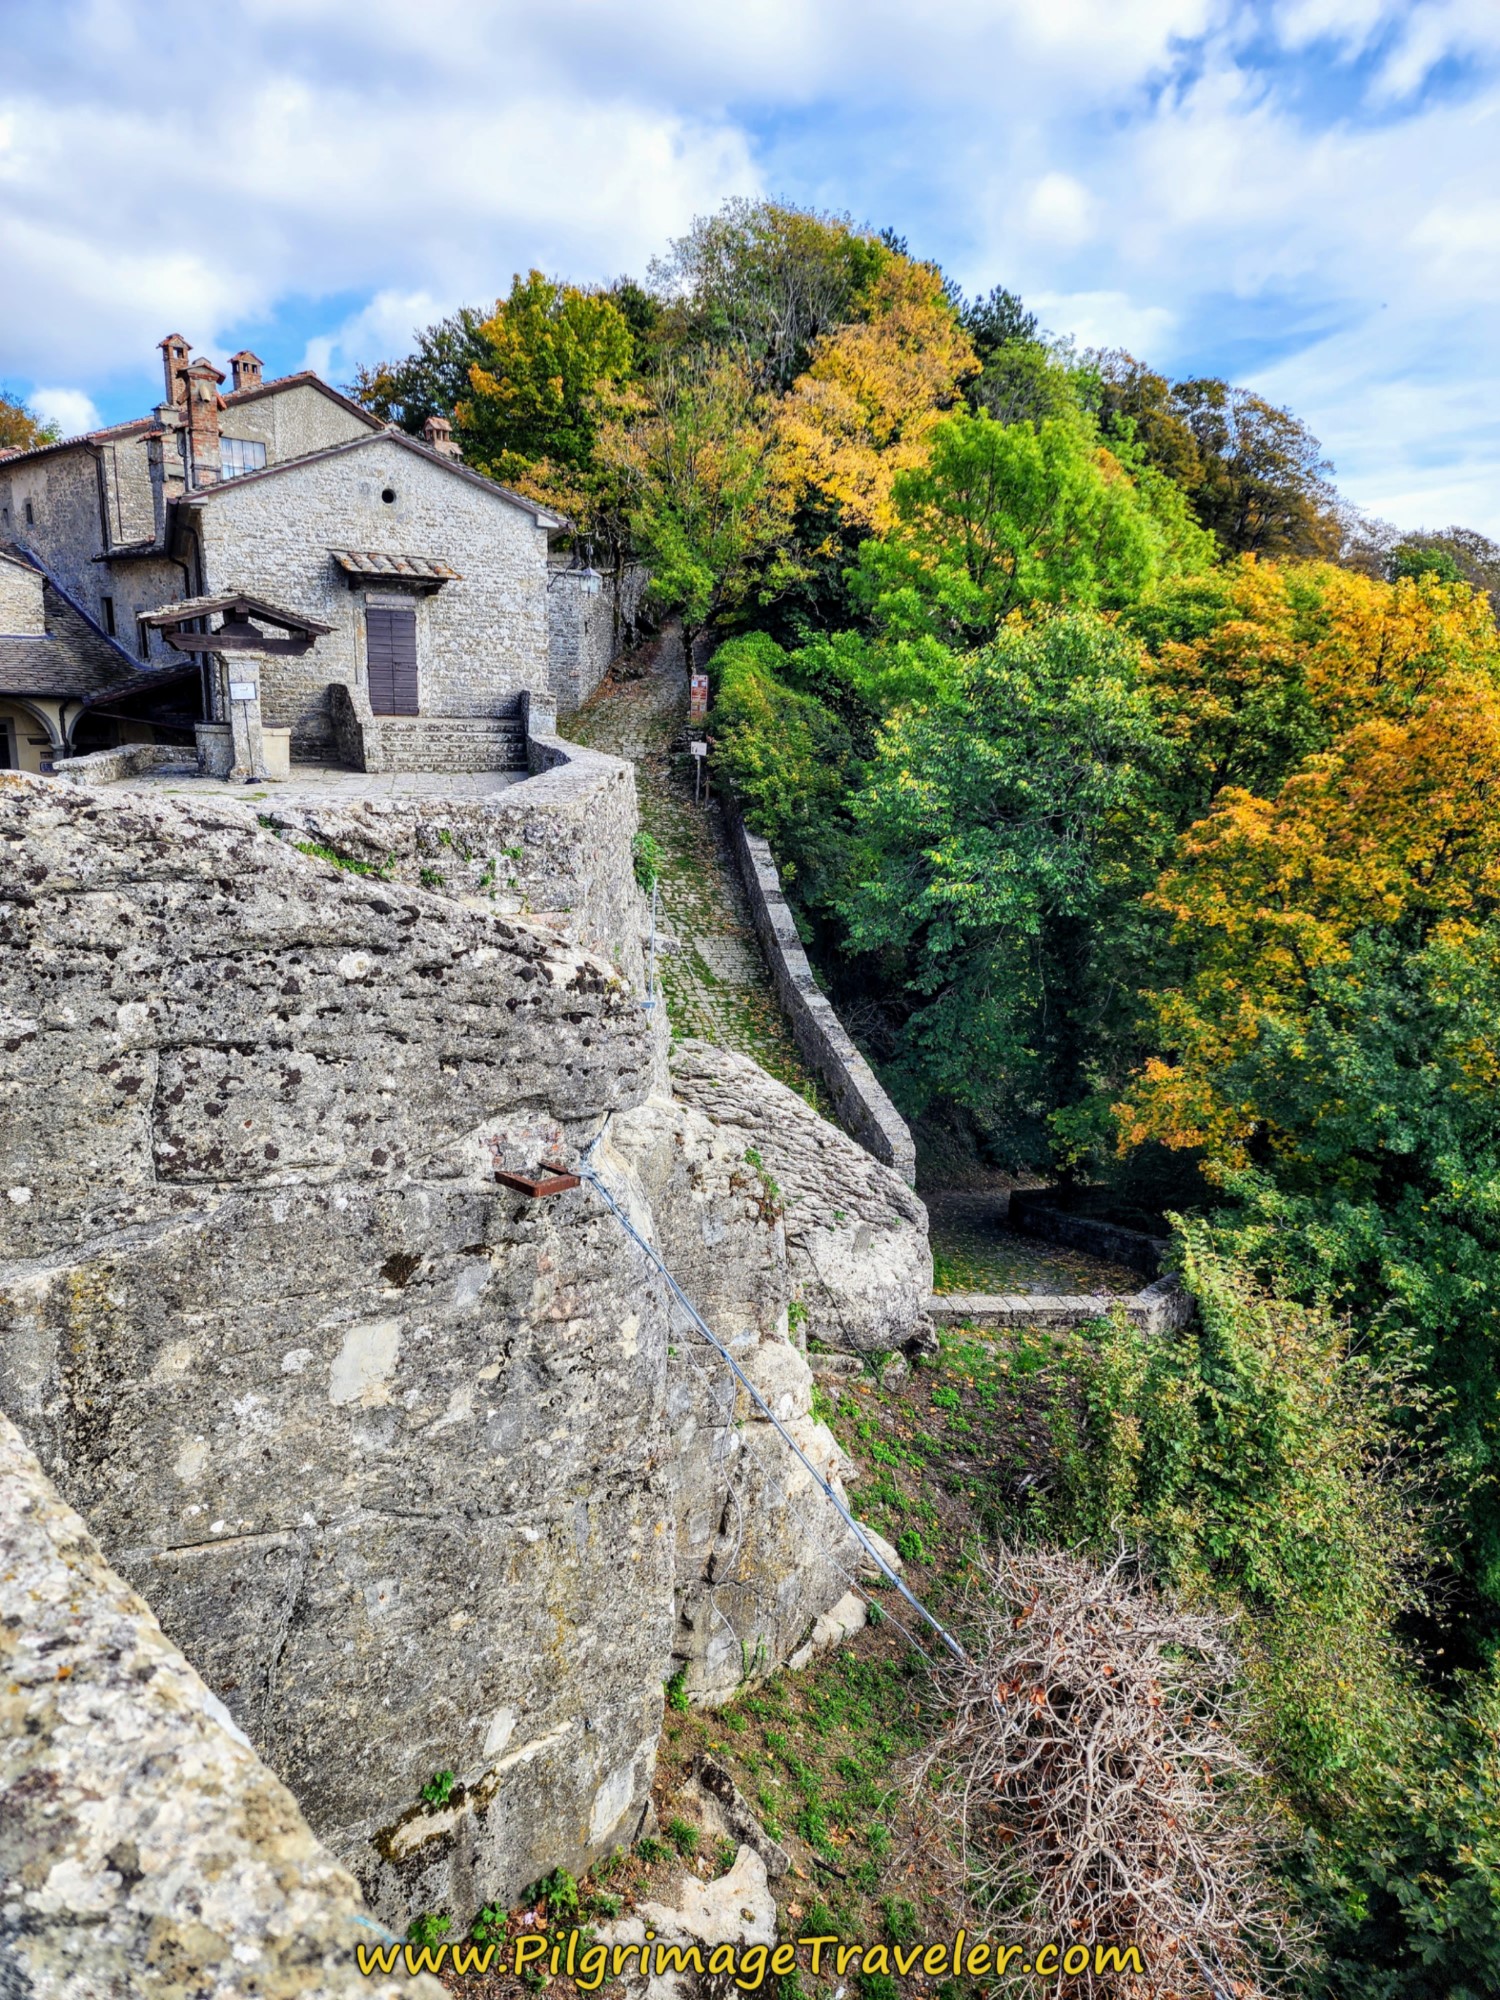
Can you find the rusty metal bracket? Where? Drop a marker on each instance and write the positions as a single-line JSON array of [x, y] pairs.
[[548, 1179]]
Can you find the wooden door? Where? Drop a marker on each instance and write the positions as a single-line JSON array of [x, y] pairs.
[[391, 655]]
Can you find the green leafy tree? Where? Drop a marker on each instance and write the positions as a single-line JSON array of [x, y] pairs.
[[1263, 487], [430, 381], [692, 461], [762, 281], [1266, 1461], [1009, 829], [1423, 559], [550, 351], [997, 321], [1005, 516], [21, 429], [1134, 401]]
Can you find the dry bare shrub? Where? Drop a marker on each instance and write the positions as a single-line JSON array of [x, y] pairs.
[[1093, 1776]]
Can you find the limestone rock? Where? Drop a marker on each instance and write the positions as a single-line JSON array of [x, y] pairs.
[[738, 1908], [856, 1234], [423, 1476], [760, 1553], [381, 1442], [143, 1846], [846, 1618], [727, 1814]]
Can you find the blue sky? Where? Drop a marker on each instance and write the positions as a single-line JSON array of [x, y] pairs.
[[1299, 194]]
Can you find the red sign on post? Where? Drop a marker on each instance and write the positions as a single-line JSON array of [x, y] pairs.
[[697, 697]]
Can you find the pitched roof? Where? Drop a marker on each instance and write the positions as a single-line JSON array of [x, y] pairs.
[[187, 608], [545, 517], [131, 429], [50, 665], [145, 426], [305, 376], [376, 563], [98, 661]]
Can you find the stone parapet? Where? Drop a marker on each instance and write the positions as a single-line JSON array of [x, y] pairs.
[[127, 760], [859, 1100], [557, 845], [1037, 1212], [145, 1847], [1157, 1308]]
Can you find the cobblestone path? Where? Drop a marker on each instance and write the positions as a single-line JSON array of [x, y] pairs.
[[709, 960]]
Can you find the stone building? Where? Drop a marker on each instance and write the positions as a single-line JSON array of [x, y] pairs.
[[64, 683], [405, 599]]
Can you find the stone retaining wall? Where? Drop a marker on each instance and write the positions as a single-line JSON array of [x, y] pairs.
[[1157, 1308], [860, 1103], [144, 1846], [586, 632], [1036, 1212], [126, 760], [558, 844]]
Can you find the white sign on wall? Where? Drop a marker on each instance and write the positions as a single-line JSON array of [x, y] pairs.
[[242, 690]]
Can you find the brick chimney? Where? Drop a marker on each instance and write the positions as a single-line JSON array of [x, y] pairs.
[[439, 435], [174, 361], [203, 381], [245, 368]]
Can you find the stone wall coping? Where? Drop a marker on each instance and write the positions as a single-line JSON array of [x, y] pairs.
[[860, 1102], [1156, 1308], [126, 760]]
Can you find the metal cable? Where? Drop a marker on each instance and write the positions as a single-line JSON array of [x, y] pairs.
[[590, 1174]]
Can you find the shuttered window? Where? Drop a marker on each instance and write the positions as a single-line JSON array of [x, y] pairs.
[[391, 654]]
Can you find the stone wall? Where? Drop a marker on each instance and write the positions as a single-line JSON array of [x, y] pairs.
[[863, 1108], [480, 640], [126, 760], [64, 533], [138, 1829], [1156, 1308], [21, 614], [585, 633], [555, 847], [1040, 1212], [292, 420]]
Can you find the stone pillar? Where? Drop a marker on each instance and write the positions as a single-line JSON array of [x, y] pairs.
[[239, 678]]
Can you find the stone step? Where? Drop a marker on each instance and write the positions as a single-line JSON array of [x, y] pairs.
[[445, 743]]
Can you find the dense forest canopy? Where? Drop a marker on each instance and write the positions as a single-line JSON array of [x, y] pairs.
[[1146, 799]]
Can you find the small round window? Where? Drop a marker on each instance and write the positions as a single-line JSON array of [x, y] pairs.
[[388, 495]]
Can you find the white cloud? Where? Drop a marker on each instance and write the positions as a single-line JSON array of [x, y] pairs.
[[377, 332], [1105, 319], [70, 409], [1060, 210], [1141, 172]]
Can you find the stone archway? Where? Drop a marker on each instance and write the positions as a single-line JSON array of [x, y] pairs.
[[23, 726]]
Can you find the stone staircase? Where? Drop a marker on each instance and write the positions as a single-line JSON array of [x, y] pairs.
[[444, 743]]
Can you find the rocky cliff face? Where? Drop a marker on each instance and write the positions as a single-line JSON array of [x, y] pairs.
[[420, 1474]]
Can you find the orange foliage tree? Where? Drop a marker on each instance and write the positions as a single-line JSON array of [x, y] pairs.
[[1397, 825], [1259, 665], [870, 397]]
